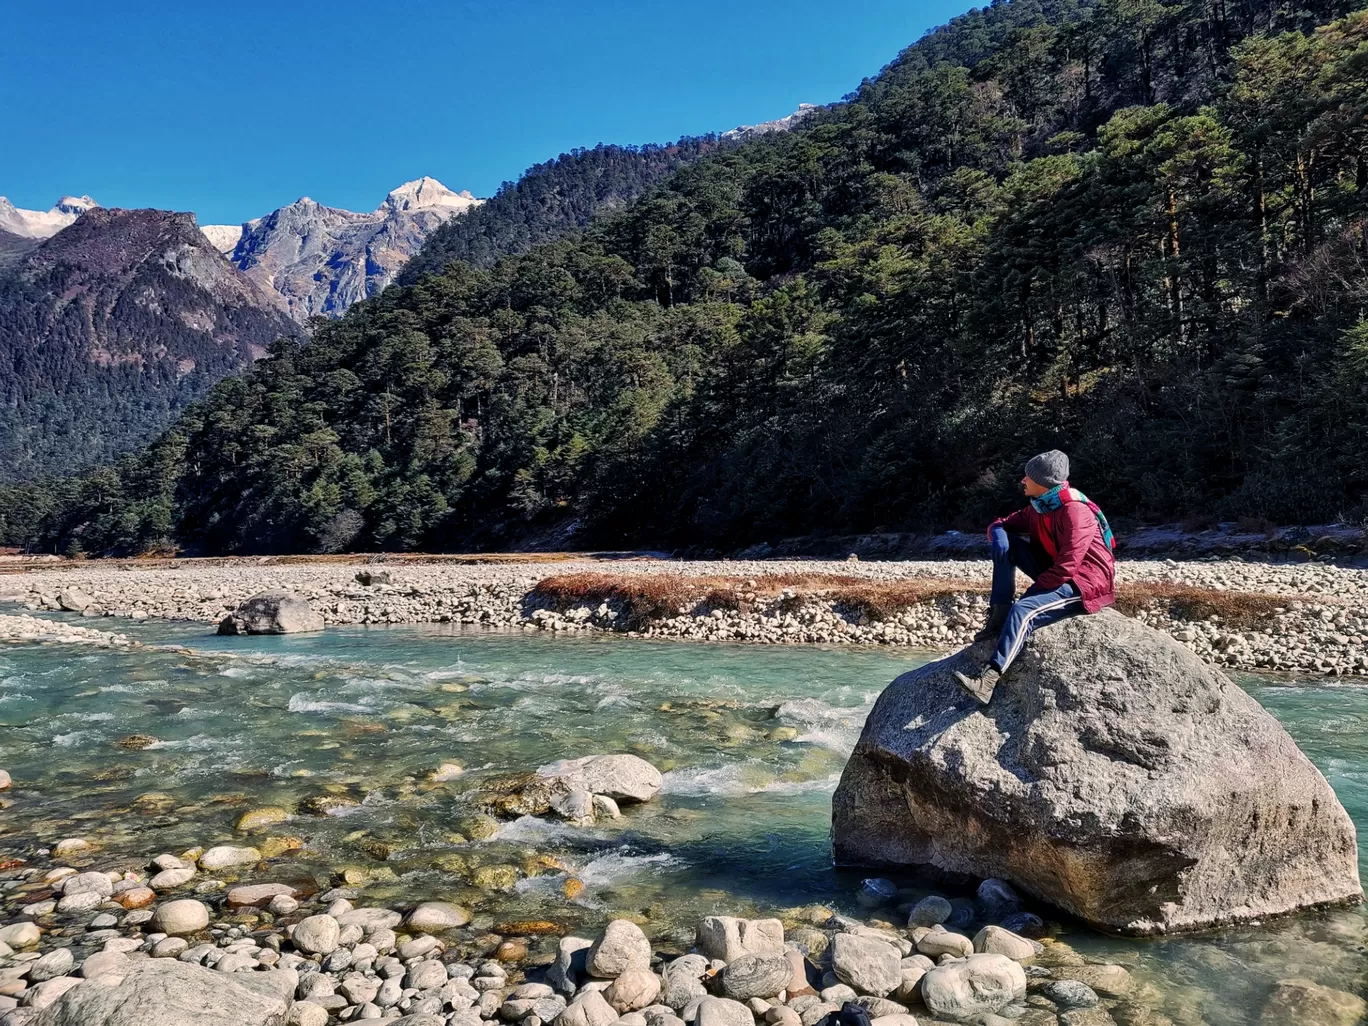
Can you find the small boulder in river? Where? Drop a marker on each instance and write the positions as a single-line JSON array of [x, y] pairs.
[[436, 916], [1114, 775], [74, 600], [625, 778], [226, 856], [272, 612], [973, 986]]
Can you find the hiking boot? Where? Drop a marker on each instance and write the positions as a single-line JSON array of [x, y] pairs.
[[981, 686], [997, 619]]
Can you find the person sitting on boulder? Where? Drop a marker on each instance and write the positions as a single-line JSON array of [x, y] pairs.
[[1063, 543]]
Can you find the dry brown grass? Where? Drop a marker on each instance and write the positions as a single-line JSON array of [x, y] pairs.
[[661, 596], [1185, 602]]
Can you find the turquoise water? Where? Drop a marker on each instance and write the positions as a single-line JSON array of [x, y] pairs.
[[751, 741]]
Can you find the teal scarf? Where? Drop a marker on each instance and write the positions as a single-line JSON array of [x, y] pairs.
[[1057, 496]]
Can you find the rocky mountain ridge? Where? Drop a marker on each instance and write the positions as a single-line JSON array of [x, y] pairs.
[[323, 259], [318, 259], [784, 124]]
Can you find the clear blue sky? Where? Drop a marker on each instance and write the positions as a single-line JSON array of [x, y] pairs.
[[234, 109]]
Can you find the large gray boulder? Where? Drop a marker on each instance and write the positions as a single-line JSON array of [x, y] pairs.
[[272, 612], [1113, 774], [167, 992], [74, 600]]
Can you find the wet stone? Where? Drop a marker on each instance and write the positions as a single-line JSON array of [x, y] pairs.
[[930, 911], [1070, 994]]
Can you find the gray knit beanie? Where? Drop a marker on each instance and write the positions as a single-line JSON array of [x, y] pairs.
[[1049, 468]]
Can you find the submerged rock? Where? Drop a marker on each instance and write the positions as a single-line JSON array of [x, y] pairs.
[[272, 612], [258, 895], [1304, 1001], [226, 856], [436, 916], [1114, 775]]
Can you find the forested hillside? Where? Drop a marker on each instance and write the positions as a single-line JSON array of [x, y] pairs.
[[109, 329], [1134, 230], [549, 200]]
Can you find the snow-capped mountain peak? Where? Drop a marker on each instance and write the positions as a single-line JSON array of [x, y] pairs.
[[42, 224], [426, 194]]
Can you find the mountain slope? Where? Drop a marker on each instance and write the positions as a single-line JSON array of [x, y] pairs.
[[550, 199], [321, 259], [109, 328]]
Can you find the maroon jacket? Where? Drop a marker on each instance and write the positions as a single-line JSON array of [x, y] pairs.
[[1071, 537]]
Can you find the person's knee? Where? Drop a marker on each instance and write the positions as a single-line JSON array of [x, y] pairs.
[[1016, 616]]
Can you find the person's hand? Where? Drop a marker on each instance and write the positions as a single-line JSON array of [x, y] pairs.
[[998, 538]]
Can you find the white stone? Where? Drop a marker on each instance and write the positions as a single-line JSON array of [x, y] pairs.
[[621, 947], [728, 938], [177, 918], [436, 916], [20, 935], [590, 1009], [868, 964], [316, 935], [226, 856], [978, 984], [633, 990]]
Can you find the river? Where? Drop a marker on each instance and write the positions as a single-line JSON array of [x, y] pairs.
[[751, 741]]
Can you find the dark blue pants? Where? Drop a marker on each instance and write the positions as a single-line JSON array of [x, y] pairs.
[[1035, 608]]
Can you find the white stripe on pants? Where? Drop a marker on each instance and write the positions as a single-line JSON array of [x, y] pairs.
[[1024, 631]]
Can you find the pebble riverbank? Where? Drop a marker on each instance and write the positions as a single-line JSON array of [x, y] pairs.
[[216, 918], [1320, 625]]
